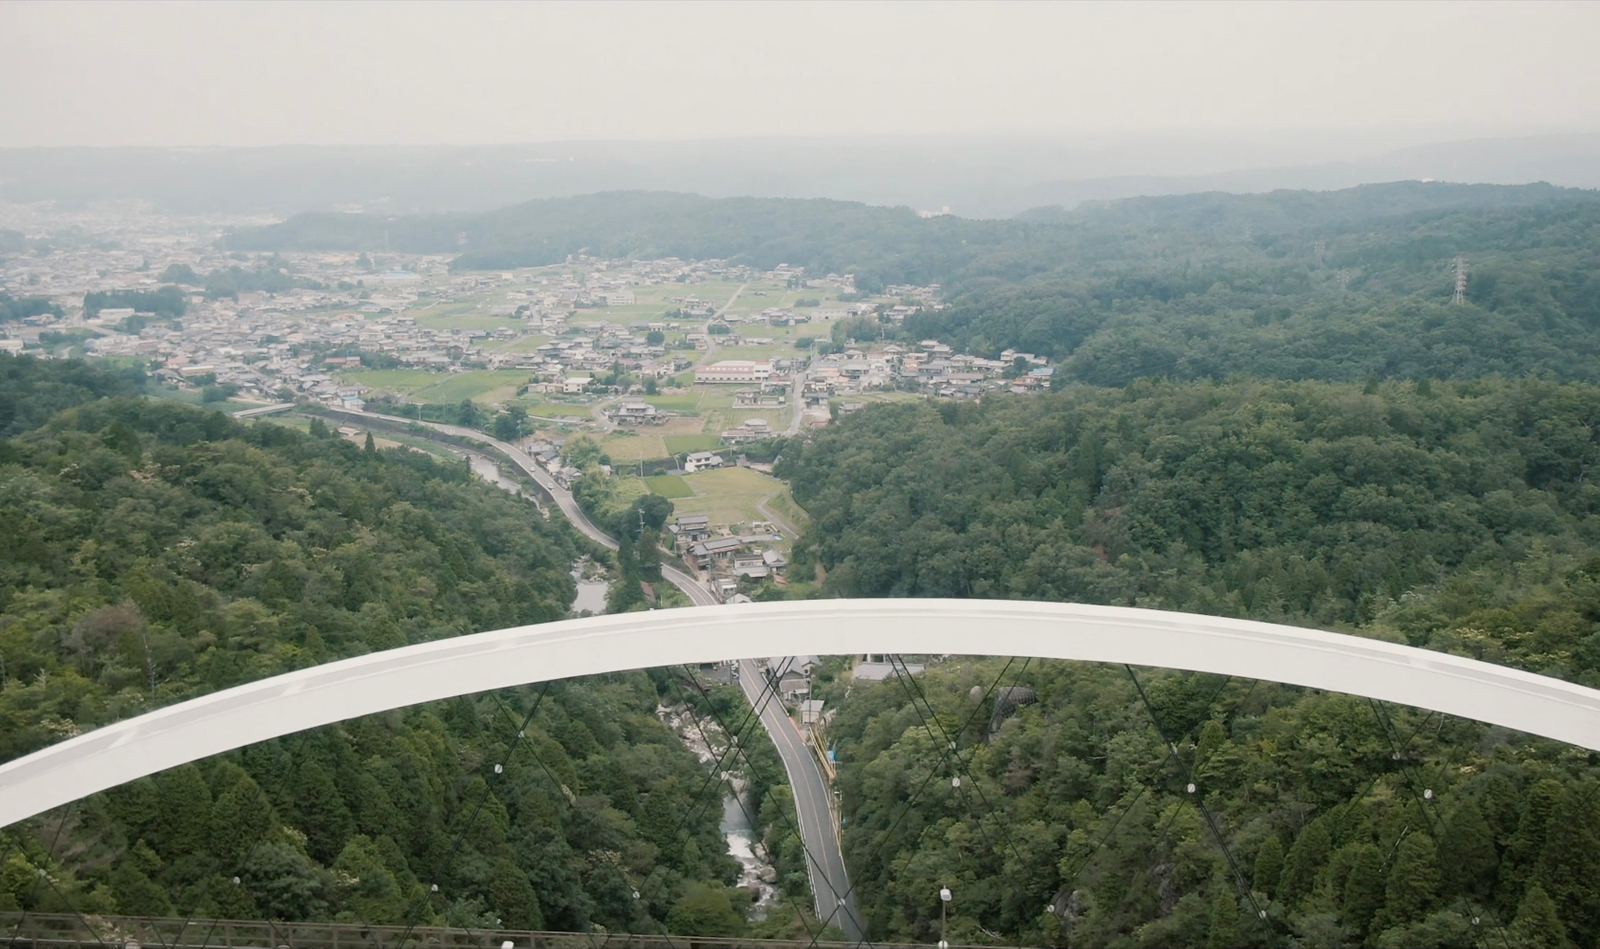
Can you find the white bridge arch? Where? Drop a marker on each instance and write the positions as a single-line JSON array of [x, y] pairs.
[[426, 672]]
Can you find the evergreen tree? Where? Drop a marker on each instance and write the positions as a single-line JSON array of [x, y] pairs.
[[321, 810], [1522, 853], [1223, 930], [371, 892], [184, 803], [137, 894], [286, 884], [240, 817], [1412, 883], [1306, 855], [1569, 866], [1363, 888], [370, 445], [1537, 925], [513, 896], [1467, 855], [1269, 866]]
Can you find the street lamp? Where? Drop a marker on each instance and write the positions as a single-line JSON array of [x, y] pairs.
[[944, 904]]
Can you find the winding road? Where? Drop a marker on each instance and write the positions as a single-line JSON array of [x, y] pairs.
[[830, 883], [568, 505]]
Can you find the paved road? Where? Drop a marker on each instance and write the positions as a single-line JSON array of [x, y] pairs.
[[777, 521], [698, 595], [711, 341], [836, 904], [829, 880], [797, 402]]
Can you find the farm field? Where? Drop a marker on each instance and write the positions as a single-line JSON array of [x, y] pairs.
[[460, 316], [687, 402], [678, 444], [670, 486], [629, 446], [482, 385], [731, 496]]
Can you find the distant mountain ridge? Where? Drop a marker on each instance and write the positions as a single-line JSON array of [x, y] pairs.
[[992, 176], [883, 245]]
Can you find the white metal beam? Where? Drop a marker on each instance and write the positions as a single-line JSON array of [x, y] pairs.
[[437, 670]]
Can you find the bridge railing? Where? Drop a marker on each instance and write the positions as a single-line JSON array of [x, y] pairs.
[[64, 931]]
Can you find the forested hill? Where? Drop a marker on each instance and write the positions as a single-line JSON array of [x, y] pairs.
[[881, 245], [1332, 285], [886, 245], [1461, 517], [155, 552], [1209, 286]]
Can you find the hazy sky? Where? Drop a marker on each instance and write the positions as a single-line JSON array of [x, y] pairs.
[[132, 73]]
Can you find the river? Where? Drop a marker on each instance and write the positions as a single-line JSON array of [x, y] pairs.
[[591, 594], [706, 739], [755, 873], [484, 467]]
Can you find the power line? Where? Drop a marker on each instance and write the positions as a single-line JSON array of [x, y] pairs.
[[934, 772], [1428, 801], [814, 934], [455, 846], [1199, 803], [840, 901]]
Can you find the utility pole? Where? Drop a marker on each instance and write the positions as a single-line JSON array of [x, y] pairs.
[[1461, 280]]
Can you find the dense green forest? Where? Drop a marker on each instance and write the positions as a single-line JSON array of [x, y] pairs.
[[1212, 286], [1454, 516], [156, 552]]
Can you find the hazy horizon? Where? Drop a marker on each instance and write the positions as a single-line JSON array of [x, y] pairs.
[[211, 75]]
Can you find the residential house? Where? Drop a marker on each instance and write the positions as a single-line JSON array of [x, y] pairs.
[[690, 528], [702, 461], [707, 552], [637, 413], [750, 564]]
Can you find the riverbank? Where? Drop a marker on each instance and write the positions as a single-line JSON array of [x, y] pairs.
[[709, 741]]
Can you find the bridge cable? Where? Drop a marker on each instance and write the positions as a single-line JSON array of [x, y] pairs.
[[1390, 732], [1425, 804], [455, 847], [717, 765], [840, 902], [1071, 879], [1205, 812], [934, 772], [904, 675], [562, 792], [754, 825], [40, 873]]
